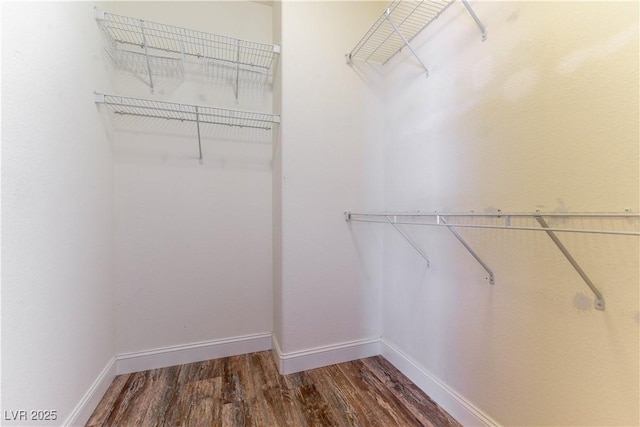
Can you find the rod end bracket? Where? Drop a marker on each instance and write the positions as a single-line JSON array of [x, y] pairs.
[[347, 215], [599, 304]]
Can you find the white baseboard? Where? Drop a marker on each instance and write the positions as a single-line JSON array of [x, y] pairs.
[[83, 410], [456, 405], [297, 361], [190, 353]]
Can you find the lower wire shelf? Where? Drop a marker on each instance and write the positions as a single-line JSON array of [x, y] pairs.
[[438, 219], [121, 105]]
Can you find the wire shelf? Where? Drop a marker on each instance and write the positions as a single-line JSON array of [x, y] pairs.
[[382, 42], [441, 219], [125, 106], [153, 41], [398, 25], [122, 105]]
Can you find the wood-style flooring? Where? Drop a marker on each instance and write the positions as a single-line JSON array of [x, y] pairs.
[[247, 390]]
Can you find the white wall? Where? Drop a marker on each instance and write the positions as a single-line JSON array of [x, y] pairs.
[[193, 241], [58, 328], [276, 182], [330, 161], [542, 115]]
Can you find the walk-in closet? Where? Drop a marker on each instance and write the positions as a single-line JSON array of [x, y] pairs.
[[297, 213]]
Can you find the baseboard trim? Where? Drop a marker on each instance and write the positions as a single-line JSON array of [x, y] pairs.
[[452, 402], [297, 361], [83, 410], [190, 353]]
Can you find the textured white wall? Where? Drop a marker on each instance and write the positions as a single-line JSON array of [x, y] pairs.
[[277, 182], [330, 158], [542, 115], [193, 242], [58, 329]]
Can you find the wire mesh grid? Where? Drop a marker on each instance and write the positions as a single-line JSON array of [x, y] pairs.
[[139, 63], [228, 73], [121, 105], [382, 42], [125, 32]]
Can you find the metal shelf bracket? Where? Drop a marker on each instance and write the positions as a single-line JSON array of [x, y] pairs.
[[599, 301], [387, 16], [483, 29], [198, 127], [409, 240], [491, 278]]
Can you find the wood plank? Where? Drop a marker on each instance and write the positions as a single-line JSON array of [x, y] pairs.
[[107, 403], [247, 390], [416, 401]]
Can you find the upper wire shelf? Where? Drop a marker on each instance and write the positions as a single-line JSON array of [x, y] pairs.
[[121, 105], [158, 49], [398, 25]]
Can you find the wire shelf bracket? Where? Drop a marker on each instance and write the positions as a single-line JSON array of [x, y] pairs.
[[409, 240], [442, 220], [164, 49], [398, 25], [121, 105], [491, 277], [599, 300]]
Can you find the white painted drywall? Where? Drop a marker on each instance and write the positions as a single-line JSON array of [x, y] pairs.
[[58, 328], [542, 115], [276, 182], [329, 160], [193, 241]]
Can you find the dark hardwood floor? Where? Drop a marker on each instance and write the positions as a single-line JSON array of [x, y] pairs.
[[247, 390]]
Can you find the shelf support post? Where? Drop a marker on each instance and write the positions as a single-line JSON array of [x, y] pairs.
[[198, 126], [408, 239], [599, 302], [146, 54], [483, 29], [406, 43], [492, 279]]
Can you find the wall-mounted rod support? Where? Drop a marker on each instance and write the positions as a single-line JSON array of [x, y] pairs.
[[146, 54], [411, 242], [198, 126], [491, 277], [406, 43], [476, 19], [599, 301]]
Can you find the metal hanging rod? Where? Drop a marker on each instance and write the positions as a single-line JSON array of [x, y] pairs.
[[442, 220], [398, 25], [121, 105], [130, 37]]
